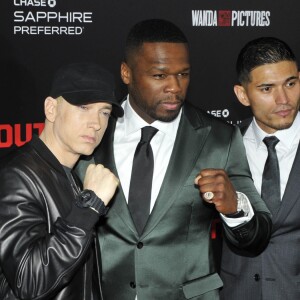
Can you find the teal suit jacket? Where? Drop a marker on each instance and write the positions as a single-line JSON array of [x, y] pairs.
[[173, 258]]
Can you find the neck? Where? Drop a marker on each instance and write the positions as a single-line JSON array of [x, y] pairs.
[[65, 158]]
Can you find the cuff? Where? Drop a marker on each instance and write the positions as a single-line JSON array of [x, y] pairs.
[[238, 218], [84, 218]]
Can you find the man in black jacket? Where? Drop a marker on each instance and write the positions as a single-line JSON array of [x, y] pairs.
[[46, 220]]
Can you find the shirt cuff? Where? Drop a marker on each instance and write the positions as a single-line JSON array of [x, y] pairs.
[[243, 204]]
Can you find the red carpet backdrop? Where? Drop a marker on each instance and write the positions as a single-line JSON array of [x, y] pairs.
[[38, 36]]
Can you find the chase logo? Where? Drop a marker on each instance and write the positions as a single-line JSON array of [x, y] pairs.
[[230, 18], [42, 17]]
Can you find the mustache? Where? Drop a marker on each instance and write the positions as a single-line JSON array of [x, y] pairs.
[[283, 107], [172, 99]]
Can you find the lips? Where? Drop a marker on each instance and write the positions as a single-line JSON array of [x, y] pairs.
[[89, 139], [283, 113], [171, 105]]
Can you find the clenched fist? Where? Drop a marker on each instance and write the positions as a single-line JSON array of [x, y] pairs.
[[102, 181], [215, 183]]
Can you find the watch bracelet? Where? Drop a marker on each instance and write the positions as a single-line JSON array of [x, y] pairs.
[[94, 202]]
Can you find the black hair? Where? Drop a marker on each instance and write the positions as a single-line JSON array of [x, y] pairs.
[[152, 31], [261, 51]]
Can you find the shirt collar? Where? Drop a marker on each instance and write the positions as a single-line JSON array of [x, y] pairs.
[[133, 122], [286, 136]]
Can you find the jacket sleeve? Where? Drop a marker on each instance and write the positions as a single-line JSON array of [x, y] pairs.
[[249, 238], [39, 257]]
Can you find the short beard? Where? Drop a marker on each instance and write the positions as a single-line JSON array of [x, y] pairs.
[[152, 111], [284, 126], [278, 126], [166, 118]]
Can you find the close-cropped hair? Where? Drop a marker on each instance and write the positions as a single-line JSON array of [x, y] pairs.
[[152, 31], [261, 51]]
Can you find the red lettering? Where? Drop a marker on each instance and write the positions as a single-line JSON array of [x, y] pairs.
[[39, 127], [28, 134], [15, 134], [9, 135]]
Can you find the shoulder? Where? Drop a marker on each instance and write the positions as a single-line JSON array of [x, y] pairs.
[[244, 125], [16, 157], [200, 118], [20, 171], [26, 161]]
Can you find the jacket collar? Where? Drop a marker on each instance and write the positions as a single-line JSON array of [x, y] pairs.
[[46, 154]]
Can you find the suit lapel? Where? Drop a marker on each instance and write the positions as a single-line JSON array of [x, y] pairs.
[[292, 191], [189, 142], [106, 157], [291, 194]]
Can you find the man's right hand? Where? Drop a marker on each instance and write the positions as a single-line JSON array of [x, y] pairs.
[[102, 181]]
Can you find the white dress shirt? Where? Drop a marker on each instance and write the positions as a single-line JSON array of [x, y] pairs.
[[286, 151], [128, 135]]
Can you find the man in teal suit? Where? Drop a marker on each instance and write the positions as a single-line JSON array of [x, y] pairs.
[[200, 169]]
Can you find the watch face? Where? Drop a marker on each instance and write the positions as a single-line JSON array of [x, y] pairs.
[[86, 195], [88, 199], [85, 198]]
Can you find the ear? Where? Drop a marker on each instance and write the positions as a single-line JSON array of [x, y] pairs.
[[125, 73], [50, 108], [241, 94]]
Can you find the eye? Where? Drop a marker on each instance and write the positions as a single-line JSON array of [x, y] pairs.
[[185, 74], [83, 107], [265, 89], [159, 76], [105, 113], [291, 83]]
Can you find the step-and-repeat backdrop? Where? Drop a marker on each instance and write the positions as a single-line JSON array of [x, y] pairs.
[[38, 36]]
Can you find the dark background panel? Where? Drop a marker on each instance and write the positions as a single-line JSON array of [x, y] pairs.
[[28, 61]]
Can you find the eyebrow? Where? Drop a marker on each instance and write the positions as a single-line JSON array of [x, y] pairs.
[[108, 106], [165, 68], [272, 84]]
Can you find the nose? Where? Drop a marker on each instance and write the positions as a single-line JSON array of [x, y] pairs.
[[282, 97], [95, 122], [173, 84]]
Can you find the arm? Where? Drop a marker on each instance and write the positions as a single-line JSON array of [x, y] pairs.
[[40, 256], [249, 238]]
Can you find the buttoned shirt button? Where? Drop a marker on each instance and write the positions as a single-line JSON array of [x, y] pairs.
[[132, 284], [140, 245], [256, 277]]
